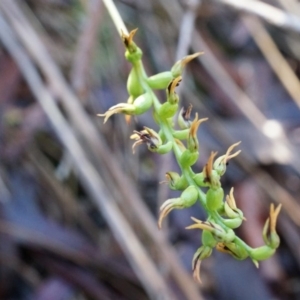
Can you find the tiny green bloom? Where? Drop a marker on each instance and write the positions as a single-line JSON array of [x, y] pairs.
[[175, 181], [139, 106], [231, 209], [133, 53], [188, 198], [270, 235], [169, 108]]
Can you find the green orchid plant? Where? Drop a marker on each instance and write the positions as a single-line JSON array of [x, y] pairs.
[[222, 213]]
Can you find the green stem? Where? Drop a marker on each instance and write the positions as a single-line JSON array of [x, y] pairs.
[[242, 244]]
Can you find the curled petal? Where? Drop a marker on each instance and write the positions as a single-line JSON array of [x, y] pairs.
[[228, 154], [137, 143], [195, 125], [167, 207], [231, 209], [203, 225], [187, 198], [196, 271], [270, 235], [116, 109], [202, 253], [146, 136], [230, 200], [273, 216], [192, 138], [221, 162]]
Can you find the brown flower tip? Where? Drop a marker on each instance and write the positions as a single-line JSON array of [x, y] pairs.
[[173, 84], [188, 58], [128, 39], [208, 168]]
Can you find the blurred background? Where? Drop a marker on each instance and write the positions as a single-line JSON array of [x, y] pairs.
[[78, 210]]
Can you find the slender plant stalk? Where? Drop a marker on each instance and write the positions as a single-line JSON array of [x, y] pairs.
[[115, 16], [222, 213]]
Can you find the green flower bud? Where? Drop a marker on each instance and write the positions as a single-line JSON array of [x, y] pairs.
[[184, 116], [214, 198], [167, 110], [236, 215], [140, 105], [230, 213], [233, 223], [133, 53], [181, 134], [160, 81], [178, 67], [165, 148], [200, 180], [134, 57], [262, 253], [188, 198], [134, 85], [270, 236], [208, 239], [188, 158], [175, 181]]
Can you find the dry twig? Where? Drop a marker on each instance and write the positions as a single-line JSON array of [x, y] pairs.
[[268, 12]]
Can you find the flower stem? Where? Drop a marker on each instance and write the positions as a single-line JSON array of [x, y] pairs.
[[115, 16]]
